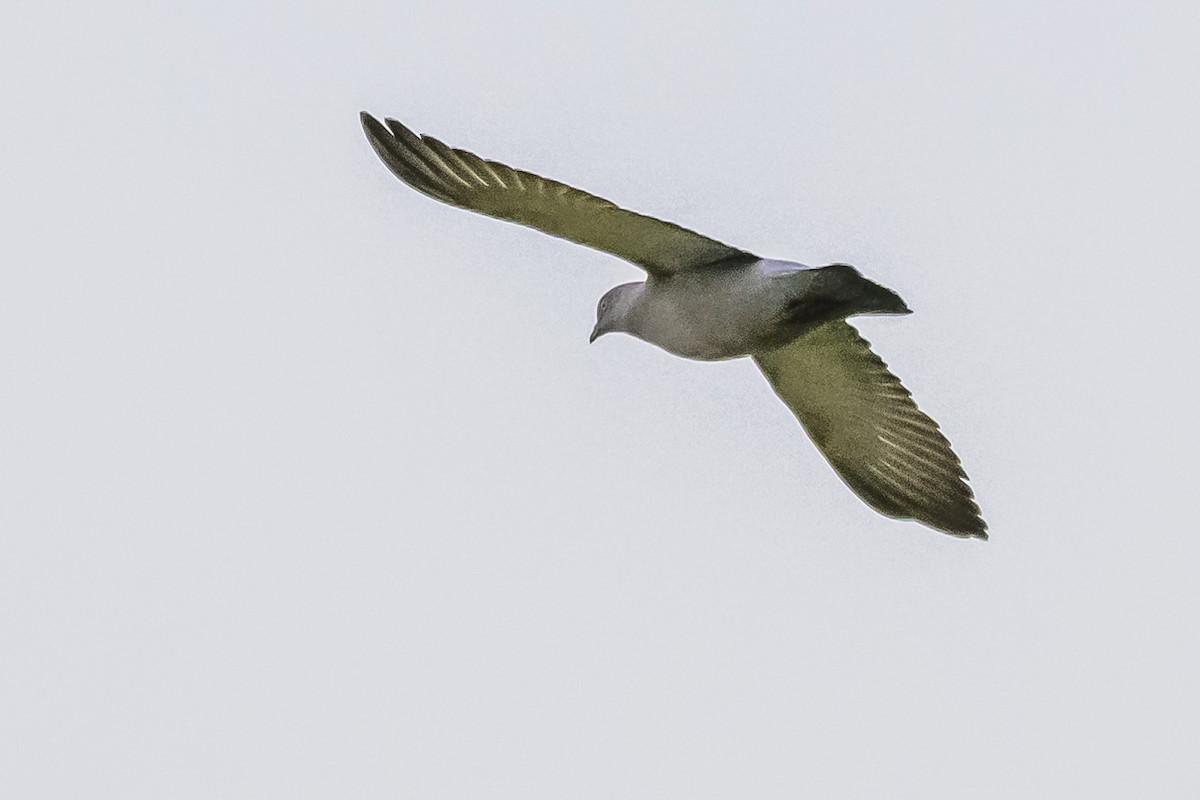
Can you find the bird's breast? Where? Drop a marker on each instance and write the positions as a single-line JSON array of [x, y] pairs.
[[708, 317]]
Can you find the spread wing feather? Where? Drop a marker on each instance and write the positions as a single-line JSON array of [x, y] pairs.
[[868, 427], [465, 180]]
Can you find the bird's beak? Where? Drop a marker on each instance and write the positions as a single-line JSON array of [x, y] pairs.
[[595, 333]]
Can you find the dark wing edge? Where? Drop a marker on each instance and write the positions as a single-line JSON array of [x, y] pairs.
[[463, 179]]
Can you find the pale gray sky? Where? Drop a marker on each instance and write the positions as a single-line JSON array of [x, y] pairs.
[[312, 487]]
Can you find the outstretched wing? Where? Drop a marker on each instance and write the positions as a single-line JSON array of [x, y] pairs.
[[465, 180], [867, 425]]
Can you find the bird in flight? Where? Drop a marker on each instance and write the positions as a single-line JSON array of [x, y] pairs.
[[708, 301]]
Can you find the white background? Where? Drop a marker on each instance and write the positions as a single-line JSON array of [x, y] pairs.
[[312, 487]]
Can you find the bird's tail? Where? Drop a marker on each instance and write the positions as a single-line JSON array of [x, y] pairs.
[[861, 295]]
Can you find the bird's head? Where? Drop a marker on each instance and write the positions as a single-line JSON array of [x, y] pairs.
[[613, 312]]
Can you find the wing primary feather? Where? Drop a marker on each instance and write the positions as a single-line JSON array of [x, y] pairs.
[[891, 488], [920, 485], [435, 159], [418, 155], [951, 470], [449, 154], [403, 163]]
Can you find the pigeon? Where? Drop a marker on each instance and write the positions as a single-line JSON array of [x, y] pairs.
[[705, 300]]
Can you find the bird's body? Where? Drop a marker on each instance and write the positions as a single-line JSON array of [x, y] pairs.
[[708, 301], [727, 311]]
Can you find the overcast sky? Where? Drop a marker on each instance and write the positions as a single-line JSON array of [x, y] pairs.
[[313, 487]]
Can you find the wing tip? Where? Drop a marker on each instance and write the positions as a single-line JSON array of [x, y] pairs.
[[967, 525], [389, 129], [371, 125], [978, 531]]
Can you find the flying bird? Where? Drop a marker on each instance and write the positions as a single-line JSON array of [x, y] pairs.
[[708, 301]]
